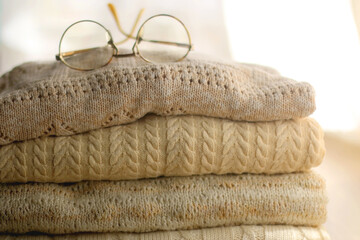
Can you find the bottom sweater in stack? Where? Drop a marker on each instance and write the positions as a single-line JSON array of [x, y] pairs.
[[169, 204], [173, 203]]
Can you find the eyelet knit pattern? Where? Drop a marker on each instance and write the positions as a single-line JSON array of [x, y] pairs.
[[40, 99], [243, 232], [167, 146], [173, 203]]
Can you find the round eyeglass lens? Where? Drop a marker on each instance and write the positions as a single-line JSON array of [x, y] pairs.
[[84, 46], [163, 38]]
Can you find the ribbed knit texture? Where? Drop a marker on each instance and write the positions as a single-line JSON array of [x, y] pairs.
[[40, 99], [172, 146], [244, 232], [172, 203]]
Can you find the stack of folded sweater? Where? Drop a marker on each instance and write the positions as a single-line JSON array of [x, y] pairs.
[[200, 149]]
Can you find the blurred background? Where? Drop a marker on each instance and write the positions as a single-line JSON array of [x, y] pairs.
[[307, 40]]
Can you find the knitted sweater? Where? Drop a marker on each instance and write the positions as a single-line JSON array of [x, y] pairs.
[[243, 232], [39, 99], [172, 146], [173, 203]]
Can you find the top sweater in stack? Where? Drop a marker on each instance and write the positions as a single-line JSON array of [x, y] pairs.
[[51, 99]]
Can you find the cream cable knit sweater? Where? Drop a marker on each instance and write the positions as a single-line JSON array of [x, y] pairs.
[[170, 146], [173, 203], [244, 232], [39, 99]]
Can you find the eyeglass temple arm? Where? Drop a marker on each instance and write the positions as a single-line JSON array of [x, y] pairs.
[[70, 53], [66, 54], [131, 35], [115, 15], [167, 43]]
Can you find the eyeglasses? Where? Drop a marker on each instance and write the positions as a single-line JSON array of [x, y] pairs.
[[88, 45]]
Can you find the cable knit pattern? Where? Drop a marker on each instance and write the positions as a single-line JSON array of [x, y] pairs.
[[236, 146], [15, 166], [18, 159], [95, 158], [172, 146], [314, 147], [131, 149], [39, 99], [173, 203], [39, 160], [115, 157], [124, 151], [66, 158], [208, 147], [152, 133], [244, 232], [262, 147], [286, 136], [181, 146]]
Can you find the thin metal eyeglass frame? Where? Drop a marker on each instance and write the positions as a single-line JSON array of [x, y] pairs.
[[138, 39]]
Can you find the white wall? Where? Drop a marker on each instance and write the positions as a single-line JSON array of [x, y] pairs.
[[308, 40]]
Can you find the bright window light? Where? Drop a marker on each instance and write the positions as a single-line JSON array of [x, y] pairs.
[[313, 41]]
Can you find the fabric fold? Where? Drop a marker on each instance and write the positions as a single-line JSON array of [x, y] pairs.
[[41, 99], [173, 203], [167, 146], [243, 232]]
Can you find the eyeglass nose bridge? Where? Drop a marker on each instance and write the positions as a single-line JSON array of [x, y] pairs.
[[121, 55], [117, 54]]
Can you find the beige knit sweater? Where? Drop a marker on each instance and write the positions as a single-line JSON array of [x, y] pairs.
[[243, 232], [39, 99], [173, 203], [170, 146]]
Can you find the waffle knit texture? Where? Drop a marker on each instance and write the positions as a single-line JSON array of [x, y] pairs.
[[172, 146], [40, 99], [243, 232], [172, 203]]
